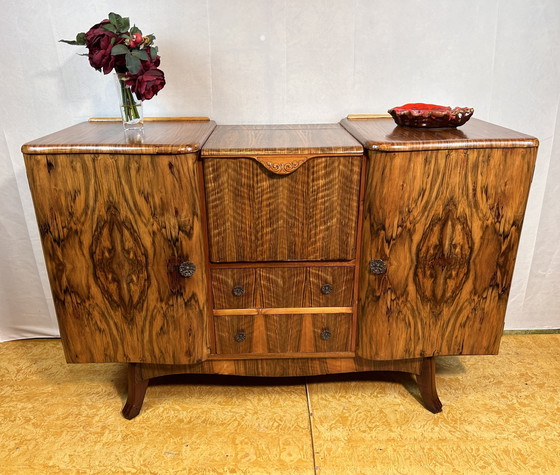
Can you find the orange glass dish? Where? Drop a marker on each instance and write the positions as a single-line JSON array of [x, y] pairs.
[[430, 115]]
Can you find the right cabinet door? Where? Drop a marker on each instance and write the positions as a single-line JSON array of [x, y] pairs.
[[446, 226]]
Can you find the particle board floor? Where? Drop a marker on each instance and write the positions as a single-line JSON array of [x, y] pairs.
[[501, 415]]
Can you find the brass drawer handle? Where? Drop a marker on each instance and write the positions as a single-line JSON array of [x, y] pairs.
[[377, 266], [187, 269], [326, 334], [326, 289], [240, 336], [238, 291]]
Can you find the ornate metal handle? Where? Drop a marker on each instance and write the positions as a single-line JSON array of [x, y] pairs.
[[326, 334], [187, 269], [238, 290], [326, 289], [240, 336], [377, 266]]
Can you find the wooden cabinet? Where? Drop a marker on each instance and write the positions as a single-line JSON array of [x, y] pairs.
[[443, 211], [116, 220], [283, 205], [279, 250]]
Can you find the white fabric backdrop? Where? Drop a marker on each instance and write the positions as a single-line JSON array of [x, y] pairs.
[[283, 61]]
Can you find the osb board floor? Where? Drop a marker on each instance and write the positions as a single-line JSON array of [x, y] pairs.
[[501, 415]]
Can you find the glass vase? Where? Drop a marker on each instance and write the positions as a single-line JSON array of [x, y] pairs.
[[131, 108]]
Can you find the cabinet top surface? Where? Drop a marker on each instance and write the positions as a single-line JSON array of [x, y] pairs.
[[382, 134], [158, 137], [314, 139]]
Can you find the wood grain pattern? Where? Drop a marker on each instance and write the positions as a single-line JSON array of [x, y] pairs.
[[255, 215], [110, 225], [223, 282], [296, 333], [246, 265], [300, 139], [340, 279], [282, 310], [282, 287], [283, 367], [384, 135], [447, 224], [167, 137]]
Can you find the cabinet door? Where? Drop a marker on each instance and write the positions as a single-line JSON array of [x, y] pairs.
[[255, 215], [115, 229], [446, 225]]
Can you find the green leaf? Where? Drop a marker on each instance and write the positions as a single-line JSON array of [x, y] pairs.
[[140, 54], [135, 29], [114, 18], [109, 27], [153, 52], [80, 40], [124, 24], [119, 49], [132, 64]]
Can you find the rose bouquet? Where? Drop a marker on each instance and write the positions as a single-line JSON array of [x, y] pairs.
[[113, 45]]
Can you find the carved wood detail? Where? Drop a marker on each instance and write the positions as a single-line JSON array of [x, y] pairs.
[[283, 165]]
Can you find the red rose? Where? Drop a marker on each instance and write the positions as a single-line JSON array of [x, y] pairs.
[[99, 45], [149, 80]]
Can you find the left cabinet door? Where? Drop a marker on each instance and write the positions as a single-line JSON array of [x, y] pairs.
[[115, 229]]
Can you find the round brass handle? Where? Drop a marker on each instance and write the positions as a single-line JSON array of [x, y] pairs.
[[238, 291], [240, 336], [187, 269], [326, 289], [377, 266], [326, 334]]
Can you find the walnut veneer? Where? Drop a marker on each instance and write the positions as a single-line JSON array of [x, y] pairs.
[[286, 250]]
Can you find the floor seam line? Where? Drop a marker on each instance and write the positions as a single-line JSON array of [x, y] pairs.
[[310, 417]]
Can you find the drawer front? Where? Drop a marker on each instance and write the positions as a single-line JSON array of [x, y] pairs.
[[264, 334], [234, 288], [309, 215], [331, 286], [282, 287]]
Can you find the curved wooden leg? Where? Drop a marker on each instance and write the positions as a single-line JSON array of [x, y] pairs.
[[136, 391], [427, 384]]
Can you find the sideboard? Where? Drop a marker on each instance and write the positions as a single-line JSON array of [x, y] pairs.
[[279, 250]]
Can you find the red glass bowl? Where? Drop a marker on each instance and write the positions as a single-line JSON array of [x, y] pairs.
[[430, 115]]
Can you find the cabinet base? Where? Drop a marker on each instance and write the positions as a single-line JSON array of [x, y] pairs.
[[139, 374]]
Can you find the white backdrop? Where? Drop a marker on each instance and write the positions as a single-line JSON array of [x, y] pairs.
[[287, 61]]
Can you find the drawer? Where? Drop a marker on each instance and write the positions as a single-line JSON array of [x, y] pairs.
[[331, 286], [286, 333], [283, 287], [255, 215]]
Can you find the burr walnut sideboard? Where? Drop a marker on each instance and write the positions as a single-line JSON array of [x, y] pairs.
[[285, 250]]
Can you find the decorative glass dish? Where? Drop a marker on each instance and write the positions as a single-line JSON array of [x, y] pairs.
[[430, 115]]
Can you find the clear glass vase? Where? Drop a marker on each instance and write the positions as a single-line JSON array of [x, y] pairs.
[[131, 108]]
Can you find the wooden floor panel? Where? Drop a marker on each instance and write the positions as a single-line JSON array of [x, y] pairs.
[[500, 415]]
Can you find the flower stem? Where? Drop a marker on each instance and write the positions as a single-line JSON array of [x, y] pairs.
[[128, 102]]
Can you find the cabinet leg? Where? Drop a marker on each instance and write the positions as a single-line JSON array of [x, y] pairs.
[[136, 391], [427, 384]]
